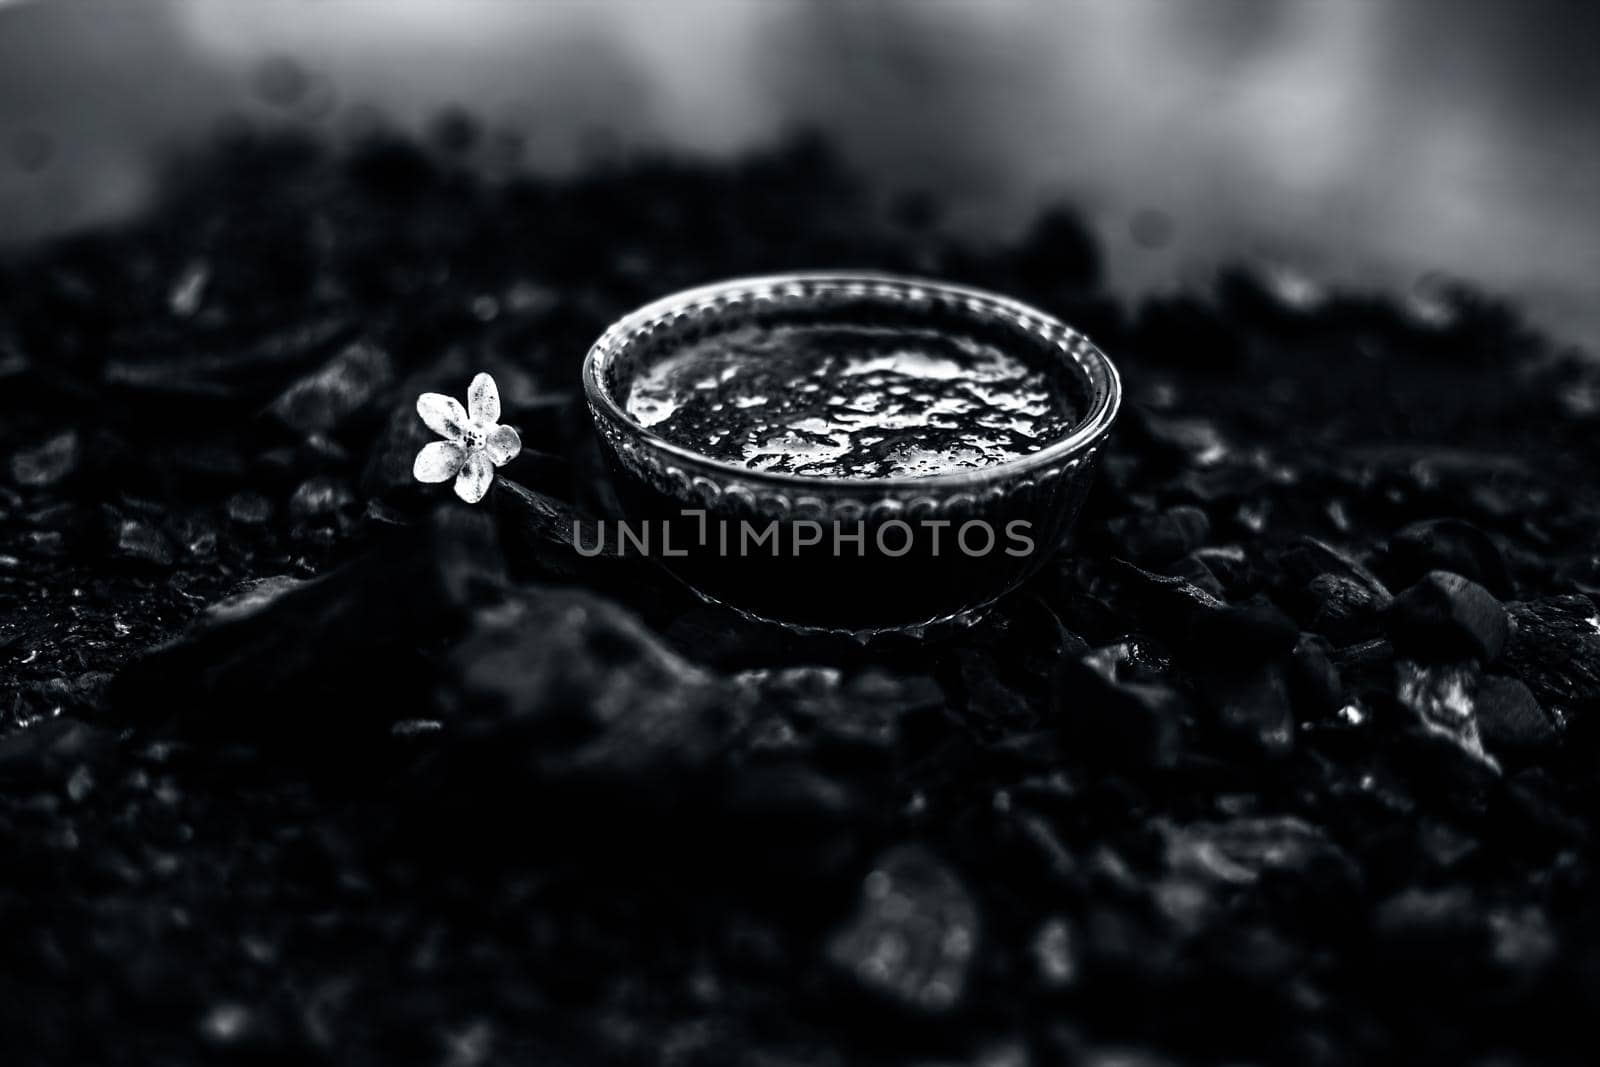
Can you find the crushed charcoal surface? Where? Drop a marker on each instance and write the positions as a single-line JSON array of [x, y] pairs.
[[1293, 758]]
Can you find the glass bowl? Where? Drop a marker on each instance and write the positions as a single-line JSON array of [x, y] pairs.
[[850, 555]]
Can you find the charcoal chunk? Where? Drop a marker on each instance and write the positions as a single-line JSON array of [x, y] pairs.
[[1344, 609], [542, 536], [249, 508], [47, 463], [1555, 651], [140, 542], [1510, 718], [1233, 566], [1194, 442], [1447, 545], [1252, 708], [914, 934], [1313, 678], [1447, 616], [1163, 536], [1105, 707], [577, 691], [1197, 572], [308, 662], [1309, 558], [1443, 699], [1240, 851], [1425, 931], [210, 386], [53, 749], [320, 498], [1203, 626], [1056, 954], [1254, 630], [325, 398]]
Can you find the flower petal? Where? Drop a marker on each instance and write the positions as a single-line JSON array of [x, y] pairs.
[[475, 478], [483, 400], [438, 462], [444, 415], [503, 445]]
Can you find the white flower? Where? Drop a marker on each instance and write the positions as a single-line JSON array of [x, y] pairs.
[[474, 441]]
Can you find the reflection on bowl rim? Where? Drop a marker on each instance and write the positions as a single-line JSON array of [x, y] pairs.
[[1082, 437]]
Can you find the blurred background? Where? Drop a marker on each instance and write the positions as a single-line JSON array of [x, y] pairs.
[[1366, 143]]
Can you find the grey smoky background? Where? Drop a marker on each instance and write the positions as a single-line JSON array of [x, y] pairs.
[[1360, 142]]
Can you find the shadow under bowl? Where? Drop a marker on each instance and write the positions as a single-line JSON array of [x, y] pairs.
[[849, 555]]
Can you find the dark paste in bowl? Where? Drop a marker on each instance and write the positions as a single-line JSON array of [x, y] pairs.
[[851, 453]]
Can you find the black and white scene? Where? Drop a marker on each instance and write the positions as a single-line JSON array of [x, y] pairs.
[[761, 533]]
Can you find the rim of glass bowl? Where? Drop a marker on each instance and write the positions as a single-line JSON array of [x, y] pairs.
[[718, 296]]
